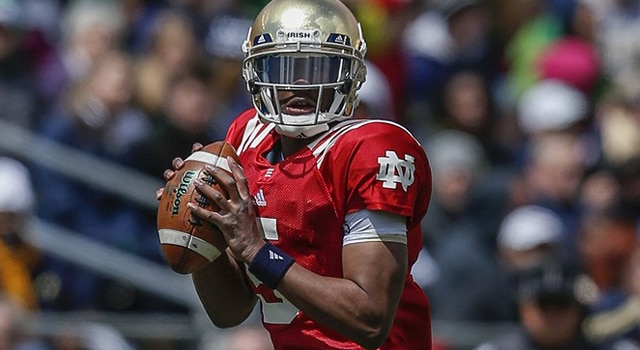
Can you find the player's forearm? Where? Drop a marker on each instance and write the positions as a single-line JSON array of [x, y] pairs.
[[224, 293], [342, 305]]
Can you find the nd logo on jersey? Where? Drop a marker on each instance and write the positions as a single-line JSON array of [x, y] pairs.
[[394, 170]]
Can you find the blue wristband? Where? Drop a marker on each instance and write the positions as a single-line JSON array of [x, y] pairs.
[[270, 264]]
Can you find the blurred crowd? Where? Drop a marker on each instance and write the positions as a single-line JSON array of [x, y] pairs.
[[528, 109]]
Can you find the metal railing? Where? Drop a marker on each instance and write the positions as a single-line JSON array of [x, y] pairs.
[[78, 165], [113, 263]]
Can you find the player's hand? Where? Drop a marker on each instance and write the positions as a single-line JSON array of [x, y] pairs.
[[236, 217], [176, 164]]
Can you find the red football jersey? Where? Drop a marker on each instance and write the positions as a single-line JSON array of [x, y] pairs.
[[302, 202]]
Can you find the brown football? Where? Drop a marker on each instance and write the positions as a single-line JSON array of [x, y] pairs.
[[188, 242]]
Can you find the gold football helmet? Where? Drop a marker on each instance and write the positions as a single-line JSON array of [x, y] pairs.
[[312, 45]]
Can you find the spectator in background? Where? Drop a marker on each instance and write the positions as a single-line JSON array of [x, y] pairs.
[[99, 119], [467, 103], [172, 50], [536, 29], [186, 117], [18, 258], [528, 236], [139, 21], [447, 37], [573, 61], [200, 13], [15, 331], [551, 105], [508, 16], [554, 40], [89, 30], [551, 309], [225, 56], [18, 98], [551, 176], [617, 117], [600, 189], [98, 114], [617, 24], [459, 229], [628, 176], [557, 152], [584, 23], [384, 22], [609, 247], [376, 100], [40, 38]]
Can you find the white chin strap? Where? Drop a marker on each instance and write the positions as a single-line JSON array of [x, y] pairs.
[[300, 132]]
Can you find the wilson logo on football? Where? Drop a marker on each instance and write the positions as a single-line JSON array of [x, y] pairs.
[[182, 190]]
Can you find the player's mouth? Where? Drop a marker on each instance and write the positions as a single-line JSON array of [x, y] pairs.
[[299, 105]]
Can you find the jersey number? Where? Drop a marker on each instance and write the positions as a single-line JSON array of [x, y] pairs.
[[275, 307]]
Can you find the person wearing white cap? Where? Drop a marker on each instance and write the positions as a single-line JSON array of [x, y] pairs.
[[17, 257], [551, 105], [528, 235], [16, 191]]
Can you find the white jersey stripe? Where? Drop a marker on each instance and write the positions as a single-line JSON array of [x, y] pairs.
[[262, 135], [254, 133], [320, 150], [325, 142], [321, 145], [314, 145], [249, 129]]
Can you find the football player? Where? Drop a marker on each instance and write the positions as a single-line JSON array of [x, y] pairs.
[[323, 215]]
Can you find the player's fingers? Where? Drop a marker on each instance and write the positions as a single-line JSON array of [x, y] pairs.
[[159, 192], [196, 147], [168, 174], [224, 180], [177, 163], [205, 214], [238, 175], [212, 194]]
